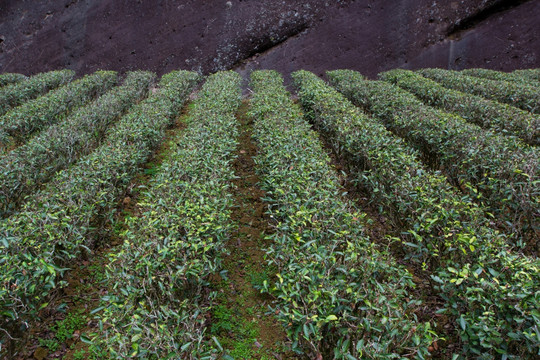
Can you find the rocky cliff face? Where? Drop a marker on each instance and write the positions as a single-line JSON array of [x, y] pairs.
[[367, 35]]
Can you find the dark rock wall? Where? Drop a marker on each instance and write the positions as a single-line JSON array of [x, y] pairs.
[[505, 41], [367, 35], [373, 36]]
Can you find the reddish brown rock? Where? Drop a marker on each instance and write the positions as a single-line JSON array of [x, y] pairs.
[[367, 35]]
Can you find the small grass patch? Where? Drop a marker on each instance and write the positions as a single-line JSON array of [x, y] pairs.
[[63, 330]]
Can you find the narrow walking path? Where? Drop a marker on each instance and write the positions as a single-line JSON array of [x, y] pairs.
[[240, 321]]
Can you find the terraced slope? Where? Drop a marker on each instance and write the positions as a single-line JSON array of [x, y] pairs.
[[136, 226]]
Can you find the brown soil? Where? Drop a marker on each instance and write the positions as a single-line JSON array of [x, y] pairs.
[[246, 261], [86, 283]]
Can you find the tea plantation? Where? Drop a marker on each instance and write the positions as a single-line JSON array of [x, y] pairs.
[[175, 218]]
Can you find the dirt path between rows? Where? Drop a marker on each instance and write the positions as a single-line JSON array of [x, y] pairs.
[[241, 321]]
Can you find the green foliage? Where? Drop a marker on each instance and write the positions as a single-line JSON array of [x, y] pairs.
[[79, 355], [11, 78], [490, 292], [521, 95], [500, 76], [65, 218], [159, 302], [337, 294], [51, 344], [234, 333], [440, 224], [503, 118], [528, 74], [19, 124], [16, 94], [63, 330], [29, 166], [500, 172]]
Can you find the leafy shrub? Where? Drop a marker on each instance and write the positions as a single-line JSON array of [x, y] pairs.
[[490, 292], [528, 74], [500, 76], [29, 166], [63, 220], [35, 115], [523, 96], [159, 300], [420, 201], [500, 172], [502, 118], [338, 295], [11, 78], [16, 94]]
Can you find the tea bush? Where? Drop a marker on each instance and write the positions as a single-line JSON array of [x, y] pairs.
[[498, 171], [490, 291], [61, 222], [11, 78], [33, 116], [502, 118], [16, 94], [338, 295], [528, 74], [159, 302], [523, 96], [500, 75], [29, 166]]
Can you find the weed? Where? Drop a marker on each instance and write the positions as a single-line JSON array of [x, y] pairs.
[[51, 344]]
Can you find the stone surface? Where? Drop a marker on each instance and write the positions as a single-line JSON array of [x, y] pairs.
[[367, 35]]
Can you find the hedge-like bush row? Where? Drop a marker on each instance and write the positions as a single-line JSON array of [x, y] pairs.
[[178, 241], [63, 220], [499, 75], [528, 74], [491, 294], [18, 93], [29, 166], [499, 171], [475, 109], [391, 172], [338, 295], [525, 97], [22, 122], [11, 78]]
